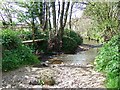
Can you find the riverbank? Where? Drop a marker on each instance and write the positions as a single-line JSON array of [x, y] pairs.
[[63, 75], [73, 72]]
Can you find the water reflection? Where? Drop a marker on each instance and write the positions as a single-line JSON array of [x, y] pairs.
[[83, 57]]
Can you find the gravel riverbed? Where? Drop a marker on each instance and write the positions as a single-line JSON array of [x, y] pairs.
[[64, 76]]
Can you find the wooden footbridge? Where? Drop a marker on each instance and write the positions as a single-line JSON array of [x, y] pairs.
[[32, 41]]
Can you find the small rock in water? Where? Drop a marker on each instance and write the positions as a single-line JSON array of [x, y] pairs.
[[44, 64], [35, 82], [47, 62]]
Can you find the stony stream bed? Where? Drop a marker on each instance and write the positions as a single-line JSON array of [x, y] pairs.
[[72, 73], [54, 76]]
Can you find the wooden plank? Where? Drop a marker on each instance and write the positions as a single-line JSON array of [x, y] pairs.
[[31, 41]]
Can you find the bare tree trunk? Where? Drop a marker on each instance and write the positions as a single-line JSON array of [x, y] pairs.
[[61, 19], [49, 20], [33, 28], [61, 29], [70, 15], [66, 13], [41, 14], [54, 15], [62, 24], [46, 17], [50, 29], [58, 15], [56, 41]]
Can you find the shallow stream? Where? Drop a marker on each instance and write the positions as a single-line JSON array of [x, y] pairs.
[[81, 57], [60, 75]]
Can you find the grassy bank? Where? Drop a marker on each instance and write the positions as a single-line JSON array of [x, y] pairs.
[[108, 62]]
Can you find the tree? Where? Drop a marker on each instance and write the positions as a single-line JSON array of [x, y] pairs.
[[45, 16], [59, 29], [105, 13], [33, 14], [54, 15], [7, 14], [63, 20], [71, 9]]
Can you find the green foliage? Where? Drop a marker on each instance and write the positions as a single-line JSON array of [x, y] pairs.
[[15, 56], [105, 16], [69, 45], [113, 82], [70, 41], [27, 35], [42, 46], [10, 39], [74, 35], [33, 10], [108, 61], [105, 26]]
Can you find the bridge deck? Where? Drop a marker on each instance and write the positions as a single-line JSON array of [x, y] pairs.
[[31, 41]]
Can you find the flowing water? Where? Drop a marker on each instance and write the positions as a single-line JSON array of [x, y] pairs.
[[82, 57], [57, 76]]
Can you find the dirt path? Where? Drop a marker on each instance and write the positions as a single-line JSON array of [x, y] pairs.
[[64, 76]]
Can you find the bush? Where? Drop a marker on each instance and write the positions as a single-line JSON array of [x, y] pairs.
[[15, 56], [10, 39], [69, 45], [74, 35], [13, 59], [108, 61]]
